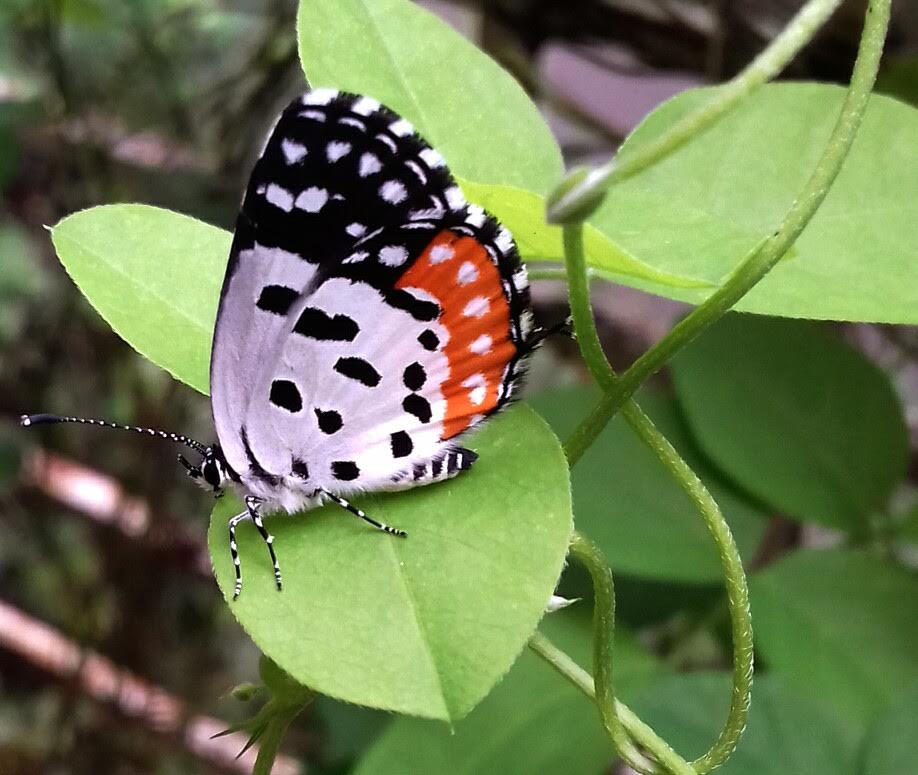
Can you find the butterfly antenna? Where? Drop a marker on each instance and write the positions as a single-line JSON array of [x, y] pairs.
[[28, 420]]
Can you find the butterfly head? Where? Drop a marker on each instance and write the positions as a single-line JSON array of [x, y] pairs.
[[212, 473]]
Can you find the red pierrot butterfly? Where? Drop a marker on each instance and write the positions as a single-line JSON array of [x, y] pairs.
[[369, 318]]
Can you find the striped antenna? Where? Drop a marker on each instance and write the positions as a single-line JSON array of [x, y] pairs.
[[28, 420]]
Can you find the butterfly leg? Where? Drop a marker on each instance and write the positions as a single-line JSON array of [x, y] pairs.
[[360, 513], [252, 503], [234, 551], [251, 512], [564, 328]]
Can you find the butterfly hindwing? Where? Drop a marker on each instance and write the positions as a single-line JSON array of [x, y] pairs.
[[369, 315]]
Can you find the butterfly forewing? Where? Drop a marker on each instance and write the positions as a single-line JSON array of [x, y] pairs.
[[369, 314]]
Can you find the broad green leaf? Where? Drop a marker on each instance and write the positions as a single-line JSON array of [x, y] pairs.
[[154, 275], [628, 503], [841, 626], [788, 733], [458, 99], [892, 746], [700, 211], [795, 416], [533, 721], [899, 78], [523, 212], [424, 625]]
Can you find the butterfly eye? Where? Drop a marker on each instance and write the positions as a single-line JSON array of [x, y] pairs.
[[212, 473]]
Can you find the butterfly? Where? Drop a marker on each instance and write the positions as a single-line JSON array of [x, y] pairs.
[[370, 317]]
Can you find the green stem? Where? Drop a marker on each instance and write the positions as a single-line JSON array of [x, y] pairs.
[[590, 556], [731, 563], [734, 579], [642, 734], [763, 68], [761, 261]]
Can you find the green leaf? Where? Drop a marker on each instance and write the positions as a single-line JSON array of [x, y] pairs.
[[699, 212], [626, 502], [523, 212], [839, 625], [154, 275], [795, 416], [788, 733], [458, 99], [892, 746], [899, 78], [424, 625], [534, 721]]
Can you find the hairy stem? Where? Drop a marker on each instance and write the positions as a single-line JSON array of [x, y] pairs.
[[641, 424], [763, 68], [642, 734], [590, 556]]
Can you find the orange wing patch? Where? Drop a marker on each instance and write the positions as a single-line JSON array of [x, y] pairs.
[[458, 272]]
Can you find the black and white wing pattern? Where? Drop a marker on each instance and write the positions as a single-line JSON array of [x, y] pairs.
[[369, 314]]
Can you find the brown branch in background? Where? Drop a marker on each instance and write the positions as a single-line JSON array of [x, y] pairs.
[[135, 698], [103, 500]]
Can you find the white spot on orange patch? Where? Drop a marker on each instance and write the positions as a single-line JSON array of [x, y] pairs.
[[476, 308]]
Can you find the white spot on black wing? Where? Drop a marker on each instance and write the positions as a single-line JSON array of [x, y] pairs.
[[393, 255], [279, 197], [369, 165], [312, 200], [393, 191], [337, 150], [365, 106], [293, 151]]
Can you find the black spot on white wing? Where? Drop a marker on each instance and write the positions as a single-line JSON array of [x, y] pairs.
[[359, 370], [276, 299], [285, 395], [418, 406], [429, 340], [401, 444], [329, 421], [419, 309], [318, 324], [345, 470], [300, 468], [414, 376]]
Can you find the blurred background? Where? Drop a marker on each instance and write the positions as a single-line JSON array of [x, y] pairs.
[[103, 570]]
